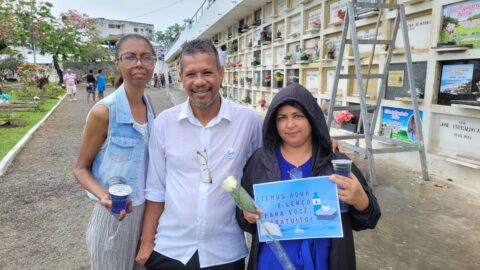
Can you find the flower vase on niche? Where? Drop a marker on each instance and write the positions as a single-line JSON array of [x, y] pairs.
[[262, 102], [316, 24], [331, 52], [344, 118]]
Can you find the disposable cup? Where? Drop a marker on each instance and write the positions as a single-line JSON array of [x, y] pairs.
[[342, 167], [119, 196]]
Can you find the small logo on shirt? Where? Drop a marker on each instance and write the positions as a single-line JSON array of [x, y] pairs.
[[230, 153]]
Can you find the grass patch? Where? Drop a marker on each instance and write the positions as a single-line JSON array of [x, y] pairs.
[[9, 137]]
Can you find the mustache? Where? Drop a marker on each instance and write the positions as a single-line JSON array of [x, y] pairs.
[[197, 90]]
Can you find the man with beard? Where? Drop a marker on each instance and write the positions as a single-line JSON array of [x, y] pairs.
[[189, 220]]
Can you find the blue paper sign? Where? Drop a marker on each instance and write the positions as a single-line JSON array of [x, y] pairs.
[[299, 209]]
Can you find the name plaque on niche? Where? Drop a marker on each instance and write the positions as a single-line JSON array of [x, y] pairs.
[[458, 135], [419, 30]]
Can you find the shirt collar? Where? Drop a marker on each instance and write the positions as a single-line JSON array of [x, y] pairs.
[[187, 113]]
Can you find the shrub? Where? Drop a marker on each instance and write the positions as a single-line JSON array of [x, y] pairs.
[[29, 91], [53, 90]]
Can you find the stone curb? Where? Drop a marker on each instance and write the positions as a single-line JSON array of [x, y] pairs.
[[7, 160]]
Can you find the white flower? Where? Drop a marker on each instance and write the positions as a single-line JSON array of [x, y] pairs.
[[229, 184]]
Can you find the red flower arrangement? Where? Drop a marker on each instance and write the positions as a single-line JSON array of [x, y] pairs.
[[341, 14], [344, 116]]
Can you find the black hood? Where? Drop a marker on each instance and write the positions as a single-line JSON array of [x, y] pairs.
[[297, 93]]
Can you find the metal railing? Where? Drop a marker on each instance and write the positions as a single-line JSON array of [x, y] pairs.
[[189, 23]]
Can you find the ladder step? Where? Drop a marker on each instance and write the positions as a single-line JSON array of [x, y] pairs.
[[375, 5], [364, 76], [370, 41]]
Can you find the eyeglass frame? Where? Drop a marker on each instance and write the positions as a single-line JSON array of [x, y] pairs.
[[202, 159], [120, 58]]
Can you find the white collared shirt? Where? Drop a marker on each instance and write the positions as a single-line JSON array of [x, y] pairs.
[[199, 216]]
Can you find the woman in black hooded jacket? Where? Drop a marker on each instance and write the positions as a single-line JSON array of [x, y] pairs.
[[264, 166]]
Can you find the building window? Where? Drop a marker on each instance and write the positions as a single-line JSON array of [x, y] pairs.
[[114, 26], [135, 30], [141, 30]]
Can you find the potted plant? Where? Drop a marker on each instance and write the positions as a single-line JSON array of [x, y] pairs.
[[331, 51], [279, 34], [305, 57], [267, 78], [341, 14], [233, 47], [248, 80], [255, 62], [345, 118], [266, 35], [288, 58], [262, 102], [278, 76]]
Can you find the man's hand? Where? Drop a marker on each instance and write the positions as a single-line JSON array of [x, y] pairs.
[[337, 145], [251, 217], [144, 252]]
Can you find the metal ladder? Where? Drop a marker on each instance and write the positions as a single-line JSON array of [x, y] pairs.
[[370, 122]]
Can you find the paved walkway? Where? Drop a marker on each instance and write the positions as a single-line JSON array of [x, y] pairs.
[[44, 213]]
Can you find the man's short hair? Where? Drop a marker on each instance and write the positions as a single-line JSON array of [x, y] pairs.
[[195, 46]]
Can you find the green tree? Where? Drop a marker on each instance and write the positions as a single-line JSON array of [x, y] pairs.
[[23, 22], [72, 38], [167, 37]]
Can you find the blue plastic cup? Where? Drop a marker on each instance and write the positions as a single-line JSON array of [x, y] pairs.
[[342, 167], [119, 196]]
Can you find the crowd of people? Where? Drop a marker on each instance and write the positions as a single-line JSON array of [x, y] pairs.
[[178, 215], [96, 83]]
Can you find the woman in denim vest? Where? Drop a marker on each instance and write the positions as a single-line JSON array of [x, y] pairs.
[[113, 150]]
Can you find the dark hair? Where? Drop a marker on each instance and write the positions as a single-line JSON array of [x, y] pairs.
[[99, 71], [130, 36], [90, 71], [199, 46], [118, 82]]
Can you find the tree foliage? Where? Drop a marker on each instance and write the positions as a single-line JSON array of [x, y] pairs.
[[167, 37], [30, 23]]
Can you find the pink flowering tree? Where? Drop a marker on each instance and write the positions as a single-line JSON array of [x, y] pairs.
[[73, 37]]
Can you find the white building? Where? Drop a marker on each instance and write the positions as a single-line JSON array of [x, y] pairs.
[[441, 50], [112, 30]]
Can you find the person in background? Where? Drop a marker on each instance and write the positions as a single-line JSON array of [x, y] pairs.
[[162, 80], [91, 85], [297, 144], [69, 80], [222, 54], [101, 81], [114, 145], [155, 80]]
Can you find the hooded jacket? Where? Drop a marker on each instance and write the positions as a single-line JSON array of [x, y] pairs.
[[263, 167]]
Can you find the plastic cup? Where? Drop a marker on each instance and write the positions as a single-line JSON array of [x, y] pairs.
[[119, 196], [342, 167]]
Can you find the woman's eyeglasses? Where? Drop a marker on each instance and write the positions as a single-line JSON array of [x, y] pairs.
[[130, 60], [202, 159]]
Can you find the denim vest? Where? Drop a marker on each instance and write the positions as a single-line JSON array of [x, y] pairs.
[[124, 152]]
